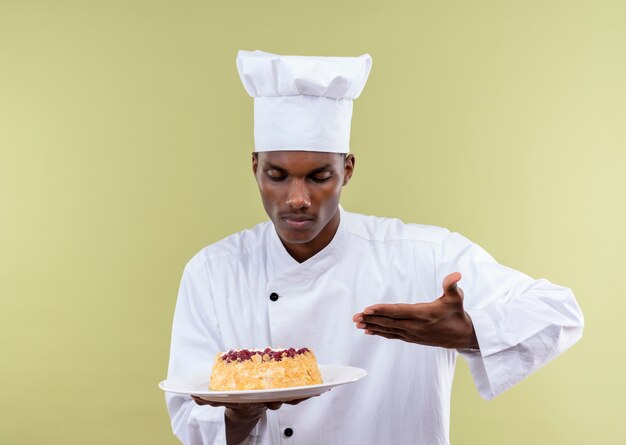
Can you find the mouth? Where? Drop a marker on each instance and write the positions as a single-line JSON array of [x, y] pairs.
[[298, 221]]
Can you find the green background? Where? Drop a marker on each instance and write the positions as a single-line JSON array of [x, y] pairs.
[[125, 140]]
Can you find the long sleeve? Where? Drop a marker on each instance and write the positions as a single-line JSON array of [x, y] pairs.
[[195, 338], [521, 323]]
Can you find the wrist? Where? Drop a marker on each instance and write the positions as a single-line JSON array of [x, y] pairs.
[[472, 341], [240, 422], [242, 416]]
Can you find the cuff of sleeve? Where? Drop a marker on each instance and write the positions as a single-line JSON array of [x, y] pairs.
[[206, 425], [484, 361], [257, 433], [486, 330]]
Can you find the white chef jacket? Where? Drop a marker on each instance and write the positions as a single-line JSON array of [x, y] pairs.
[[224, 303]]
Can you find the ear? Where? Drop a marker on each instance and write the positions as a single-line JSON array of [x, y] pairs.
[[348, 168], [255, 162]]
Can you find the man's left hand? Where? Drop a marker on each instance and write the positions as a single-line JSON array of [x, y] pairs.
[[442, 322]]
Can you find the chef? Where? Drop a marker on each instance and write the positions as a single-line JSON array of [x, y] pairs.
[[399, 300]]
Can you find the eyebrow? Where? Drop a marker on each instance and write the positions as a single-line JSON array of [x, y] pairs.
[[312, 172]]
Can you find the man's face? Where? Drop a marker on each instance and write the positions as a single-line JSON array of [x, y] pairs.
[[300, 192]]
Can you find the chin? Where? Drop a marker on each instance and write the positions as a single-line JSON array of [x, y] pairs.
[[292, 238], [296, 237]]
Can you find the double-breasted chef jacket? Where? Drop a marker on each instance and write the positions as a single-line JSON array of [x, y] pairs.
[[224, 302]]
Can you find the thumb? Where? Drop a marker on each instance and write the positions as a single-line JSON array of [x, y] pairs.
[[450, 289]]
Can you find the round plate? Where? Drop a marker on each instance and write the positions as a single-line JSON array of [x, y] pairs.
[[332, 375]]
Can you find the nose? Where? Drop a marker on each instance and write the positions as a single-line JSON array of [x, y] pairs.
[[298, 197]]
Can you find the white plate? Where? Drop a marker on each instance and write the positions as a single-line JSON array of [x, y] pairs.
[[332, 375]]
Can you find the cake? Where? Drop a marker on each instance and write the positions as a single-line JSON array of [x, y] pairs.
[[246, 369]]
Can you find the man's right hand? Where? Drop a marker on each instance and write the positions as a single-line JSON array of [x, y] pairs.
[[240, 418]]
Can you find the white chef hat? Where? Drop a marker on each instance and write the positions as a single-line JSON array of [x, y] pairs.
[[301, 102]]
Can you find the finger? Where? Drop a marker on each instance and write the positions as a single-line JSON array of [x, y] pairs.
[[273, 405], [388, 335], [405, 337], [200, 401], [375, 329], [295, 402], [450, 286], [385, 323], [357, 317], [213, 404], [397, 310]]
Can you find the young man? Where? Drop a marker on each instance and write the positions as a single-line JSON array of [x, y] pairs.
[[317, 276]]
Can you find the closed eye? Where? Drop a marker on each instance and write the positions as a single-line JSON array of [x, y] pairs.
[[276, 175], [277, 178], [321, 177]]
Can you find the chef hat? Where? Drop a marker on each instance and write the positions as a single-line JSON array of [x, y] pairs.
[[300, 102]]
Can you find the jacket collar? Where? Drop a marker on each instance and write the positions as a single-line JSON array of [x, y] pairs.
[[281, 261]]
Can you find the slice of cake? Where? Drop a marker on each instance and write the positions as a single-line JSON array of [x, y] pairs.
[[264, 369]]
